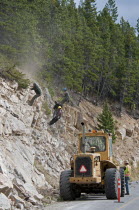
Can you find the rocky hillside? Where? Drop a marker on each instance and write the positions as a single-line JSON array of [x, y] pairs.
[[32, 153]]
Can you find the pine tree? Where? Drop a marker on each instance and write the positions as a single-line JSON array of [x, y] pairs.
[[86, 51], [90, 44], [128, 70], [19, 38], [106, 56], [137, 28], [90, 13], [112, 9], [106, 121]]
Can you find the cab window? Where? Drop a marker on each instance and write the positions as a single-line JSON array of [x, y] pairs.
[[99, 142]]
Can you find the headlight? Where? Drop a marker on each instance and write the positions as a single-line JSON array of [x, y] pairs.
[[97, 159]]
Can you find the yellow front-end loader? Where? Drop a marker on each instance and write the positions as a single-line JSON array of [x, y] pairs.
[[92, 169]]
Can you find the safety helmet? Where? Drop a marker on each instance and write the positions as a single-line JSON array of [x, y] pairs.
[[126, 161], [64, 89], [59, 107]]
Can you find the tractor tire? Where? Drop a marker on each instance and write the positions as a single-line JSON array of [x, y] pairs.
[[77, 194], [111, 183], [122, 176], [66, 188]]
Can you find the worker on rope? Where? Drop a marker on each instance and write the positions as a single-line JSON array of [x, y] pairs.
[[57, 113], [58, 107], [38, 92], [66, 97]]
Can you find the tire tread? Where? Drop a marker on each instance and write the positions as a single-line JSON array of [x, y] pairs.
[[66, 191], [111, 176]]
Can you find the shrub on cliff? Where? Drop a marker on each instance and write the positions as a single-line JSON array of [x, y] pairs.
[[12, 74]]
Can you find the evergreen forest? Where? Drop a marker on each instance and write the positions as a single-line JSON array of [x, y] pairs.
[[86, 50]]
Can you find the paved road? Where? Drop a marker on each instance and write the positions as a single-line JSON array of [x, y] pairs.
[[99, 202]]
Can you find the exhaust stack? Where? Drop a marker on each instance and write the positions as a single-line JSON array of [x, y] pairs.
[[83, 136]]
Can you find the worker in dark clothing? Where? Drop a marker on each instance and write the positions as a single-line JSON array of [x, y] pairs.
[[57, 114], [58, 107], [66, 97], [38, 92], [55, 108]]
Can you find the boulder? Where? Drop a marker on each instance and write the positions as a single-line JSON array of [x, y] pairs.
[[14, 125], [121, 133], [5, 203]]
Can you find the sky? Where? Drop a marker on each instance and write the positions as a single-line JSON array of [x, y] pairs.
[[129, 9]]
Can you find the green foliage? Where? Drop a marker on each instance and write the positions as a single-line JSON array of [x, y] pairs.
[[14, 75], [106, 121], [82, 49], [51, 91], [112, 9], [5, 62]]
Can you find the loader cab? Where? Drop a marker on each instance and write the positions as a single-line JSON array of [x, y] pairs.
[[100, 141]]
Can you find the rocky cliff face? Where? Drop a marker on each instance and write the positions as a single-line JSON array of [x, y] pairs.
[[32, 153]]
